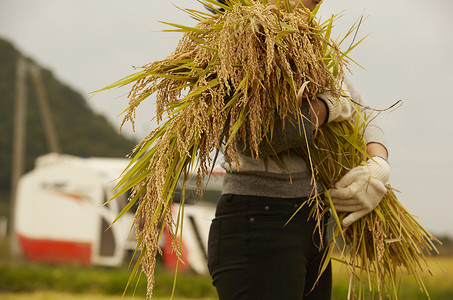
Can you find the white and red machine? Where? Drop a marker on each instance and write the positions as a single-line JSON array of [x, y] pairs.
[[61, 216]]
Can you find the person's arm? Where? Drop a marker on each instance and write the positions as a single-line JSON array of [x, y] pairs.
[[318, 113], [326, 108], [377, 149], [287, 134], [363, 187]]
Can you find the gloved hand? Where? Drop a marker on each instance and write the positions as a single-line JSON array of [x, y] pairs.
[[338, 108], [361, 189]]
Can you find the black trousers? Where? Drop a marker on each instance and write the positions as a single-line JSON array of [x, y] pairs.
[[253, 255]]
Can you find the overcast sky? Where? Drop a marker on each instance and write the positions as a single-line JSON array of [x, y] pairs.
[[407, 55]]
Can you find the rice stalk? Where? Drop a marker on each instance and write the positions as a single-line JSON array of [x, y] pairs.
[[386, 240]]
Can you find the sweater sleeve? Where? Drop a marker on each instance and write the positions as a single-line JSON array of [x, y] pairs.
[[286, 135], [373, 133]]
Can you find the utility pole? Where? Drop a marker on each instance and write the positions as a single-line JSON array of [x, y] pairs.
[[46, 116], [18, 154], [19, 134]]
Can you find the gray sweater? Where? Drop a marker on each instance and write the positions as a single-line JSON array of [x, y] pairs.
[[285, 174]]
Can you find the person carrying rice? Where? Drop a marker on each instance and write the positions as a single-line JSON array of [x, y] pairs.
[[263, 82], [254, 251]]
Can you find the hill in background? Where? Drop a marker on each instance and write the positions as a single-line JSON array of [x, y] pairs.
[[80, 131]]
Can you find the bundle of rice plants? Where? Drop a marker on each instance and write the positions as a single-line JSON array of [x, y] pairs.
[[228, 78], [387, 240]]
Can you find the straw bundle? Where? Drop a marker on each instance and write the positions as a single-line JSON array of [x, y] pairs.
[[383, 242], [225, 81]]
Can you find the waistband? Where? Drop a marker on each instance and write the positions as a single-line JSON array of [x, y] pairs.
[[237, 204]]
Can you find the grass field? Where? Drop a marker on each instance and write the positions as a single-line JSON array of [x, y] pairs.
[[439, 284], [36, 281], [23, 280], [67, 296]]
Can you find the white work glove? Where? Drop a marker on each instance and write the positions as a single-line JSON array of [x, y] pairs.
[[338, 108], [361, 189]]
